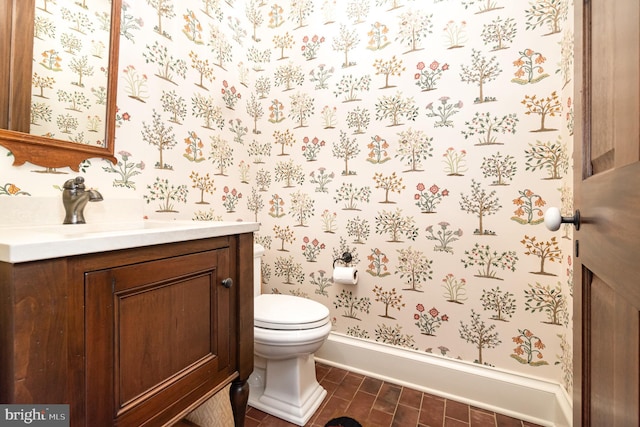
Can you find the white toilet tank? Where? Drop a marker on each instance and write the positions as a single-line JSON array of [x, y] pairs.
[[258, 251]]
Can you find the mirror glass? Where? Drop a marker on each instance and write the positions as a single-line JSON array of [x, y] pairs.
[[58, 74]]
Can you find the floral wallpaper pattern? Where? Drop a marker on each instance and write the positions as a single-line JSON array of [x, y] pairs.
[[426, 137]]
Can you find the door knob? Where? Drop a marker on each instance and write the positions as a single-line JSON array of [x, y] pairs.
[[553, 219], [227, 283]]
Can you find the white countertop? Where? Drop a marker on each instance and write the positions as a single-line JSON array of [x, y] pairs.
[[31, 243]]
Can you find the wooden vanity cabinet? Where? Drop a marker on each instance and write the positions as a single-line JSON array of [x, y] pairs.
[[135, 337]]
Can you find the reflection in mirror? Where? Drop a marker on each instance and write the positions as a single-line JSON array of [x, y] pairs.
[[58, 74]]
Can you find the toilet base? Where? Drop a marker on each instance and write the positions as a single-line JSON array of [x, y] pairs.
[[286, 389]]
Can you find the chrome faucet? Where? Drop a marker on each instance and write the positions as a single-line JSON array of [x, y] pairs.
[[75, 198]]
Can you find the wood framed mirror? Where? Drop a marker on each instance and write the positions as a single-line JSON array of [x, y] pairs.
[[19, 66]]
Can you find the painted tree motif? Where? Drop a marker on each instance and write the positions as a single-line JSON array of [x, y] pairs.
[[414, 26], [391, 67], [41, 83], [300, 10], [220, 153], [390, 299], [500, 32], [207, 109], [414, 267], [255, 18], [220, 47], [82, 68], [78, 21], [529, 208], [546, 251], [390, 184], [551, 301], [289, 172], [352, 305], [358, 119], [480, 203], [481, 71], [528, 346], [547, 12], [76, 101], [285, 138], [344, 42], [378, 263], [160, 136], [444, 237], [163, 9], [255, 203], [378, 150], [479, 334], [503, 168], [394, 336], [396, 225], [302, 107], [289, 269], [285, 234], [301, 208], [430, 321], [455, 162], [175, 105], [258, 151], [167, 65], [500, 302], [349, 86], [414, 146], [351, 195], [488, 261], [40, 112], [263, 179], [454, 290], [288, 75], [395, 107], [357, 10], [166, 194], [346, 149], [544, 107], [359, 229], [552, 156]]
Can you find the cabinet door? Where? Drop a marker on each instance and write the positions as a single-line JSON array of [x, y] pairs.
[[157, 332]]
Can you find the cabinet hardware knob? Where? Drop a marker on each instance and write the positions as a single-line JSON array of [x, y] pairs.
[[227, 283], [553, 219]]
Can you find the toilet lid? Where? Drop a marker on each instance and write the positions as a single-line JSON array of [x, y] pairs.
[[286, 312]]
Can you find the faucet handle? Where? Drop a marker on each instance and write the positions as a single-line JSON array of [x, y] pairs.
[[76, 183]]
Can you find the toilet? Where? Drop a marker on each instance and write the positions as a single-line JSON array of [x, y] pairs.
[[288, 330]]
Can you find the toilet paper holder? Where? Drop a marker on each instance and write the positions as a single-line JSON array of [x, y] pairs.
[[346, 258]]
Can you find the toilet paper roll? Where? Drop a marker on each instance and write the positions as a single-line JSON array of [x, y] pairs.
[[345, 275]]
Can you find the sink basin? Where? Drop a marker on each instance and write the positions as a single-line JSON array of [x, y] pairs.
[[22, 244]]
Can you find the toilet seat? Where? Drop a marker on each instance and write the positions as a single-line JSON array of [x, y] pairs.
[[288, 312]]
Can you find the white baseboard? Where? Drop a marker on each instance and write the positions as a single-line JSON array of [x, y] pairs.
[[529, 399]]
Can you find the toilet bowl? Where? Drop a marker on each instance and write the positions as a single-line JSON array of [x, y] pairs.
[[287, 331]]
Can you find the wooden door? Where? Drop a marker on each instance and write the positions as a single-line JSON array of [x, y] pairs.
[[607, 193], [158, 337]]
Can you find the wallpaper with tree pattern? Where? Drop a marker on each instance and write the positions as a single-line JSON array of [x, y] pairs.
[[426, 137]]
